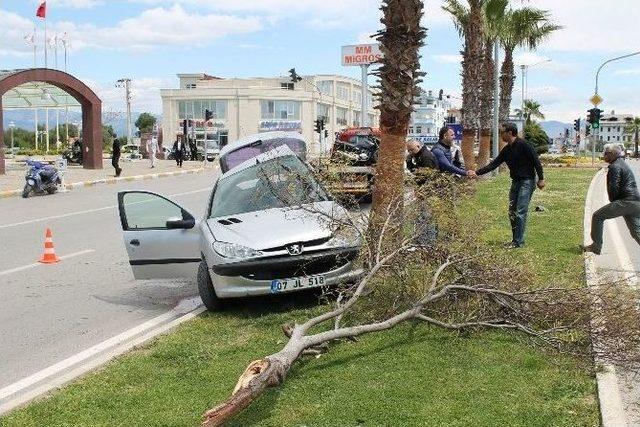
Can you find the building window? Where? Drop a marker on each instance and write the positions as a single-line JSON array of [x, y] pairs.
[[608, 138], [342, 91], [323, 112], [190, 86], [325, 87], [194, 109], [356, 118], [280, 110], [287, 86], [341, 117], [356, 97]]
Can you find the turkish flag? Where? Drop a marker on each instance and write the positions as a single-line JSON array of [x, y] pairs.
[[42, 10]]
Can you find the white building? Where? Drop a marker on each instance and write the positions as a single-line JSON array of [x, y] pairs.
[[429, 116], [242, 107], [612, 128]]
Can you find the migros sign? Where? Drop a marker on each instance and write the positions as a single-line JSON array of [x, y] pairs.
[[361, 54]]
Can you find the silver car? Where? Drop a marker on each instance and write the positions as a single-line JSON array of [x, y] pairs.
[[269, 227]]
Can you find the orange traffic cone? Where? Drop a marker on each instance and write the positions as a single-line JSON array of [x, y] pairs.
[[49, 256]]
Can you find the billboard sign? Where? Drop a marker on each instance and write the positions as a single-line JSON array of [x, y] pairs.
[[282, 125], [361, 54]]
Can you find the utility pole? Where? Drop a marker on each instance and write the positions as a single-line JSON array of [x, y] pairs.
[[126, 83]]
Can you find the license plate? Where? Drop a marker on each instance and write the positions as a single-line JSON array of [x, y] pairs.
[[285, 285]]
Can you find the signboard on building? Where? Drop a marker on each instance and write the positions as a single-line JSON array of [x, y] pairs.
[[200, 126], [361, 54], [457, 130], [280, 125]]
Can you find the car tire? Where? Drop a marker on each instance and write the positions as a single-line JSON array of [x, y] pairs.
[[206, 290], [52, 190]]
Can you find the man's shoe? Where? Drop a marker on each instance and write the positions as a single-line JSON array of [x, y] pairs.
[[589, 248]]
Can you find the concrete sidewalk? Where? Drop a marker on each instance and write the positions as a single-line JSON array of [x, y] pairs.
[[12, 182]]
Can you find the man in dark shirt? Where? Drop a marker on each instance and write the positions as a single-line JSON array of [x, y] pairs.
[[419, 156], [115, 156], [623, 195], [523, 162]]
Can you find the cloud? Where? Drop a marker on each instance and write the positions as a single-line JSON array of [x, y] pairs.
[[627, 72], [75, 4], [447, 59], [153, 28], [145, 94]]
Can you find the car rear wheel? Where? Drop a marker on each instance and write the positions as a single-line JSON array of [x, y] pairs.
[[205, 288]]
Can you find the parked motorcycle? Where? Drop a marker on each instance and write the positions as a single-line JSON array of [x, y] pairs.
[[74, 155], [40, 179]]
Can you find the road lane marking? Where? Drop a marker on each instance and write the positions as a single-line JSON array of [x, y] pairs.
[[48, 218], [104, 351], [36, 264]]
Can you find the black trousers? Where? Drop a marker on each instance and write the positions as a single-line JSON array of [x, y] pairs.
[[179, 158], [114, 163]]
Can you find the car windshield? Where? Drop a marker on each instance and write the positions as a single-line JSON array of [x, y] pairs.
[[240, 155], [281, 182]]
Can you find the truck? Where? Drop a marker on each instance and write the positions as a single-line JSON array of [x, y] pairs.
[[351, 167]]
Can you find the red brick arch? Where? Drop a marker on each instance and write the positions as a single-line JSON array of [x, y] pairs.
[[91, 109]]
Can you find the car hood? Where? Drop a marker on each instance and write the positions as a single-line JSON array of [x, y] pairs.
[[277, 227]]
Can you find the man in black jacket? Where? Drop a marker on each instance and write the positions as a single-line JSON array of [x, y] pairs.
[[623, 195], [523, 162], [115, 157], [179, 151]]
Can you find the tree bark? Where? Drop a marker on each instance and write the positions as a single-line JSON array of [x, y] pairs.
[[468, 140], [486, 110], [507, 78], [400, 41]]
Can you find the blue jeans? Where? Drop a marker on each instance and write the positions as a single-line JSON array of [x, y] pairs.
[[519, 198]]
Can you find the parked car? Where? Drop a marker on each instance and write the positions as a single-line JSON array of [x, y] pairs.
[[268, 228]]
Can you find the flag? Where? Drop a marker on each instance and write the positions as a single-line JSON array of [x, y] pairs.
[[30, 38], [42, 10]]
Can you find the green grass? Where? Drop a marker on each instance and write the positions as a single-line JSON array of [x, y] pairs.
[[410, 376]]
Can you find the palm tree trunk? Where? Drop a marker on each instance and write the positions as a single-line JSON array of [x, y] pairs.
[[507, 79], [399, 75], [635, 154], [486, 111], [471, 80]]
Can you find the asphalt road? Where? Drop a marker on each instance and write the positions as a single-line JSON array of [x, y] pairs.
[[49, 313], [621, 259]]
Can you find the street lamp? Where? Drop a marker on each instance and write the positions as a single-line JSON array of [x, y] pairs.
[[12, 125], [126, 83], [524, 68]]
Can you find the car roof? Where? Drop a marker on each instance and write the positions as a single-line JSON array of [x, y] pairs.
[[264, 136], [280, 151]]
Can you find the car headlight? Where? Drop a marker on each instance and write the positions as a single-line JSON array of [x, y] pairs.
[[345, 237], [363, 156], [232, 250]]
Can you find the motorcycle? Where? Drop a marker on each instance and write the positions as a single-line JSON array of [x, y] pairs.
[[41, 178], [74, 155]]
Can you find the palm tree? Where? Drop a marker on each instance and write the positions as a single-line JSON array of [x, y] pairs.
[[531, 110], [469, 22], [400, 77], [526, 27], [494, 12], [633, 128]]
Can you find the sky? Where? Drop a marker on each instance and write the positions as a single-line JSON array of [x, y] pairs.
[[150, 41]]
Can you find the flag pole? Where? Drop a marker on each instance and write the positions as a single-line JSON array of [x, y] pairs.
[[46, 56]]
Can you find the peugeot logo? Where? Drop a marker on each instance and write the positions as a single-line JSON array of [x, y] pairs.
[[295, 249]]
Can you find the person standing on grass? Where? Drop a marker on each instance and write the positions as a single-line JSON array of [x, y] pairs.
[[523, 162], [115, 156], [623, 197]]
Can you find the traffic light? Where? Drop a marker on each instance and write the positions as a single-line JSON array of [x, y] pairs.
[[208, 115], [440, 94], [576, 125], [319, 125], [597, 113], [295, 78], [590, 117], [326, 134], [587, 131]]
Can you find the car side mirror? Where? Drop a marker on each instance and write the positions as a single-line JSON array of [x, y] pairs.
[[181, 224]]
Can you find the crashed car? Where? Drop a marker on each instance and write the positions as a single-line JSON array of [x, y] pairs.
[[269, 227]]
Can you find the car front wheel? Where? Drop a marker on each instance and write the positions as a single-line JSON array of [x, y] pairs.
[[205, 288]]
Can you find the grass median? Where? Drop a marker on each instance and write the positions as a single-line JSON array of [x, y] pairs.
[[409, 376]]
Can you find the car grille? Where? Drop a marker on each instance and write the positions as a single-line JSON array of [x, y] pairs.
[[307, 245], [307, 269], [285, 267]]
